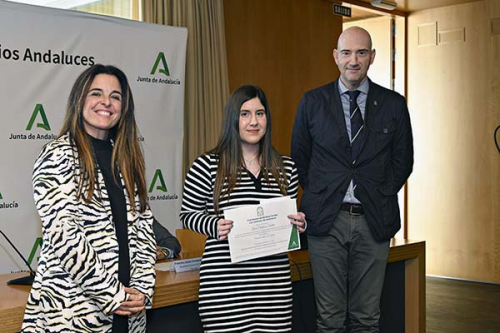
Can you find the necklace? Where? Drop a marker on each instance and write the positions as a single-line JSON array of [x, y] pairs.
[[249, 163]]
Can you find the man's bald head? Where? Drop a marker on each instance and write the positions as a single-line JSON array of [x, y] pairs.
[[353, 56], [354, 32]]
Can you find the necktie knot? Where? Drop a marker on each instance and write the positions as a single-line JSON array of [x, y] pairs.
[[353, 95]]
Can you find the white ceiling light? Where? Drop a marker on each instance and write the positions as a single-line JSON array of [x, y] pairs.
[[384, 4]]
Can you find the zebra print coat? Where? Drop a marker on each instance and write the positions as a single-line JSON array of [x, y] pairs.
[[76, 288]]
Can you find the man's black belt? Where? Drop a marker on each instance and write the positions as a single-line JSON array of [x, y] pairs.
[[353, 209]]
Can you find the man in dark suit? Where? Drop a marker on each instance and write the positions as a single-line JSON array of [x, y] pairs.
[[167, 246], [353, 145]]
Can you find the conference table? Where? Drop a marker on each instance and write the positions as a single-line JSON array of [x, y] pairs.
[[403, 295]]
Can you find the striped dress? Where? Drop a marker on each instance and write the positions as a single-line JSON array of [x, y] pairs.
[[251, 296]]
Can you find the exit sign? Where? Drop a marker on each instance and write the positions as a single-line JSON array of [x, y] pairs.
[[341, 10]]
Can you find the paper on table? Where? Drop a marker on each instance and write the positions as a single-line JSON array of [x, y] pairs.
[[165, 266]]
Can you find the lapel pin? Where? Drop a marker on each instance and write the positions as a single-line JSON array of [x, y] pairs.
[[375, 103]]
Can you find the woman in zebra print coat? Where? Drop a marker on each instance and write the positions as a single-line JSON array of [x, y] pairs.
[[96, 267], [244, 168]]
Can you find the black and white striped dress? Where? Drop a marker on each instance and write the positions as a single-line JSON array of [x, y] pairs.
[[251, 296]]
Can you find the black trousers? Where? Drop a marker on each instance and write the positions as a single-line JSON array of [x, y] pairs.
[[120, 324]]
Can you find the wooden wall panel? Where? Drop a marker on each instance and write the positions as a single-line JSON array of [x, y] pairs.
[[493, 79], [453, 94], [283, 46]]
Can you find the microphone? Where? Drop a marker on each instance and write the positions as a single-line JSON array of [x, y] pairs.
[[25, 280], [495, 137]]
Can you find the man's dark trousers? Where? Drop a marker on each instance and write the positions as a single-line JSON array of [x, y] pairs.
[[348, 267]]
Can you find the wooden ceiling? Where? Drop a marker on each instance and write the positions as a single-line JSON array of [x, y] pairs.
[[359, 14], [362, 9], [415, 5]]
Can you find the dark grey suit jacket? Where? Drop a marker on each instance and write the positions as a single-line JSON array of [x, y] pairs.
[[321, 149], [165, 239]]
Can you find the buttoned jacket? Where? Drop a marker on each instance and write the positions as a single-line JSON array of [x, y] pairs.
[[321, 148]]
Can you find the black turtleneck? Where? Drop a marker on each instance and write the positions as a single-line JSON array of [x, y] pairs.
[[103, 151]]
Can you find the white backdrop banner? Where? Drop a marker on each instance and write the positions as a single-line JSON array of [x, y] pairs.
[[42, 51]]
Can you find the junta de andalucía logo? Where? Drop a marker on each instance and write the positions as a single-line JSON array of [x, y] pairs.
[[36, 245], [160, 59], [160, 72], [39, 110], [37, 122], [8, 204], [158, 184]]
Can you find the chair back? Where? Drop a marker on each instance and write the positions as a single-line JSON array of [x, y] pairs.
[[192, 243]]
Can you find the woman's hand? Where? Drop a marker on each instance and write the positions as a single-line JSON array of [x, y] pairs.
[[134, 305], [223, 228], [299, 220]]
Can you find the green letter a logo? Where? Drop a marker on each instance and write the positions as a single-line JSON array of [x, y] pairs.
[[1, 198], [158, 176], [45, 125], [36, 245], [294, 242], [161, 57]]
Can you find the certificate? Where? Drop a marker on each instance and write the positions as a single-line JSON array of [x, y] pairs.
[[262, 230]]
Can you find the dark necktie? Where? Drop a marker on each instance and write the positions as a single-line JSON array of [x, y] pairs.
[[356, 125]]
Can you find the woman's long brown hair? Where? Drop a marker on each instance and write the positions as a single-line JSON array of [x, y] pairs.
[[229, 149]]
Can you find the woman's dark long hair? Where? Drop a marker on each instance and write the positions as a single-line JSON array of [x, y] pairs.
[[127, 153], [229, 146]]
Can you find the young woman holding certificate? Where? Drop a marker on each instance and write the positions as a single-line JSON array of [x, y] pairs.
[[244, 168]]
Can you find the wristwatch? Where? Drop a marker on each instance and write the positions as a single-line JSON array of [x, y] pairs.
[[167, 253]]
